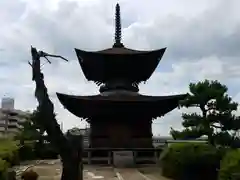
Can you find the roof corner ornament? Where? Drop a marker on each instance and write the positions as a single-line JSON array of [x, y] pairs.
[[118, 32]]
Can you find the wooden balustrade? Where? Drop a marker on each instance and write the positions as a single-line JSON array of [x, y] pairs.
[[105, 155]]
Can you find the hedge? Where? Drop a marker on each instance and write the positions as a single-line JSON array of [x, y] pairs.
[[230, 166], [183, 161]]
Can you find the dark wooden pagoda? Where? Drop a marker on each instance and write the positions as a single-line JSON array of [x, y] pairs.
[[119, 116]]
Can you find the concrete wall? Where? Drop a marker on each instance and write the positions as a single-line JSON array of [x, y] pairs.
[[162, 140]]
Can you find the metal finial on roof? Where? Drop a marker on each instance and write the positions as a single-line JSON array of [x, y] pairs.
[[118, 32]]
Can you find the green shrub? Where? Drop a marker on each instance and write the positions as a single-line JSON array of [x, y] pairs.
[[33, 150], [29, 175], [3, 169], [230, 166], [46, 151], [183, 161], [9, 152], [27, 152]]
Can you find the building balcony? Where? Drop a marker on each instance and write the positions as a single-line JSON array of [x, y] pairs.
[[2, 122], [2, 128], [12, 130], [10, 126]]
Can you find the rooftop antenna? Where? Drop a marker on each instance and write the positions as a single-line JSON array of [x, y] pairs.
[[118, 31]]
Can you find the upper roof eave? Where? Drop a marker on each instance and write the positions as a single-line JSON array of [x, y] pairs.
[[119, 51]]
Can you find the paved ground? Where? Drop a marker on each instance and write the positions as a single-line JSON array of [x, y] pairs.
[[51, 170], [151, 173], [130, 174], [23, 167]]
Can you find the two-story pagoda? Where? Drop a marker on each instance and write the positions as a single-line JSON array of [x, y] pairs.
[[119, 116]]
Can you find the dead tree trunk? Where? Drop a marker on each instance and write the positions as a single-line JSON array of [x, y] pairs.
[[75, 162], [71, 155]]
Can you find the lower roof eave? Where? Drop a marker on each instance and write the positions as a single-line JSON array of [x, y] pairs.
[[92, 106]]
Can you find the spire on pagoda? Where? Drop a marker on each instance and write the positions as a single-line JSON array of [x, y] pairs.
[[118, 32]]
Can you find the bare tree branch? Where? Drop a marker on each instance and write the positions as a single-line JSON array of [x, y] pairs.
[[45, 55]]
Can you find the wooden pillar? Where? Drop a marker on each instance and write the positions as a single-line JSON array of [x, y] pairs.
[[156, 156], [76, 140], [135, 157], [109, 157], [89, 157]]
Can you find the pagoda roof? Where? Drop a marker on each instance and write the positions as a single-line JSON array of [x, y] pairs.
[[99, 105], [119, 63], [118, 51], [122, 50]]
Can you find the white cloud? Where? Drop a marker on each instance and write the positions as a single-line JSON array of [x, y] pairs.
[[202, 39]]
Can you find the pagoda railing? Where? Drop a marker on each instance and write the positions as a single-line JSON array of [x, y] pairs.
[[105, 155]]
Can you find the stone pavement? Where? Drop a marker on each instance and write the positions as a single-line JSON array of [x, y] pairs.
[[23, 167], [151, 173], [51, 170], [99, 172], [129, 174]]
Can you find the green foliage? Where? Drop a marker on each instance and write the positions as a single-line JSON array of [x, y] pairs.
[[8, 156], [3, 169], [216, 119], [45, 151], [183, 161], [9, 151], [186, 134], [31, 150], [31, 130], [27, 151], [32, 139], [230, 166]]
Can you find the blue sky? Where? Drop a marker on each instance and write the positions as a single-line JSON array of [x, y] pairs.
[[202, 39]]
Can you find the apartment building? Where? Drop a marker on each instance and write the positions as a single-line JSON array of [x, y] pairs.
[[10, 118]]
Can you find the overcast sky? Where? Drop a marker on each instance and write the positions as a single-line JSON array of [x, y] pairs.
[[202, 39]]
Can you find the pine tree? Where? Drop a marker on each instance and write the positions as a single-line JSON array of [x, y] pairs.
[[216, 120]]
